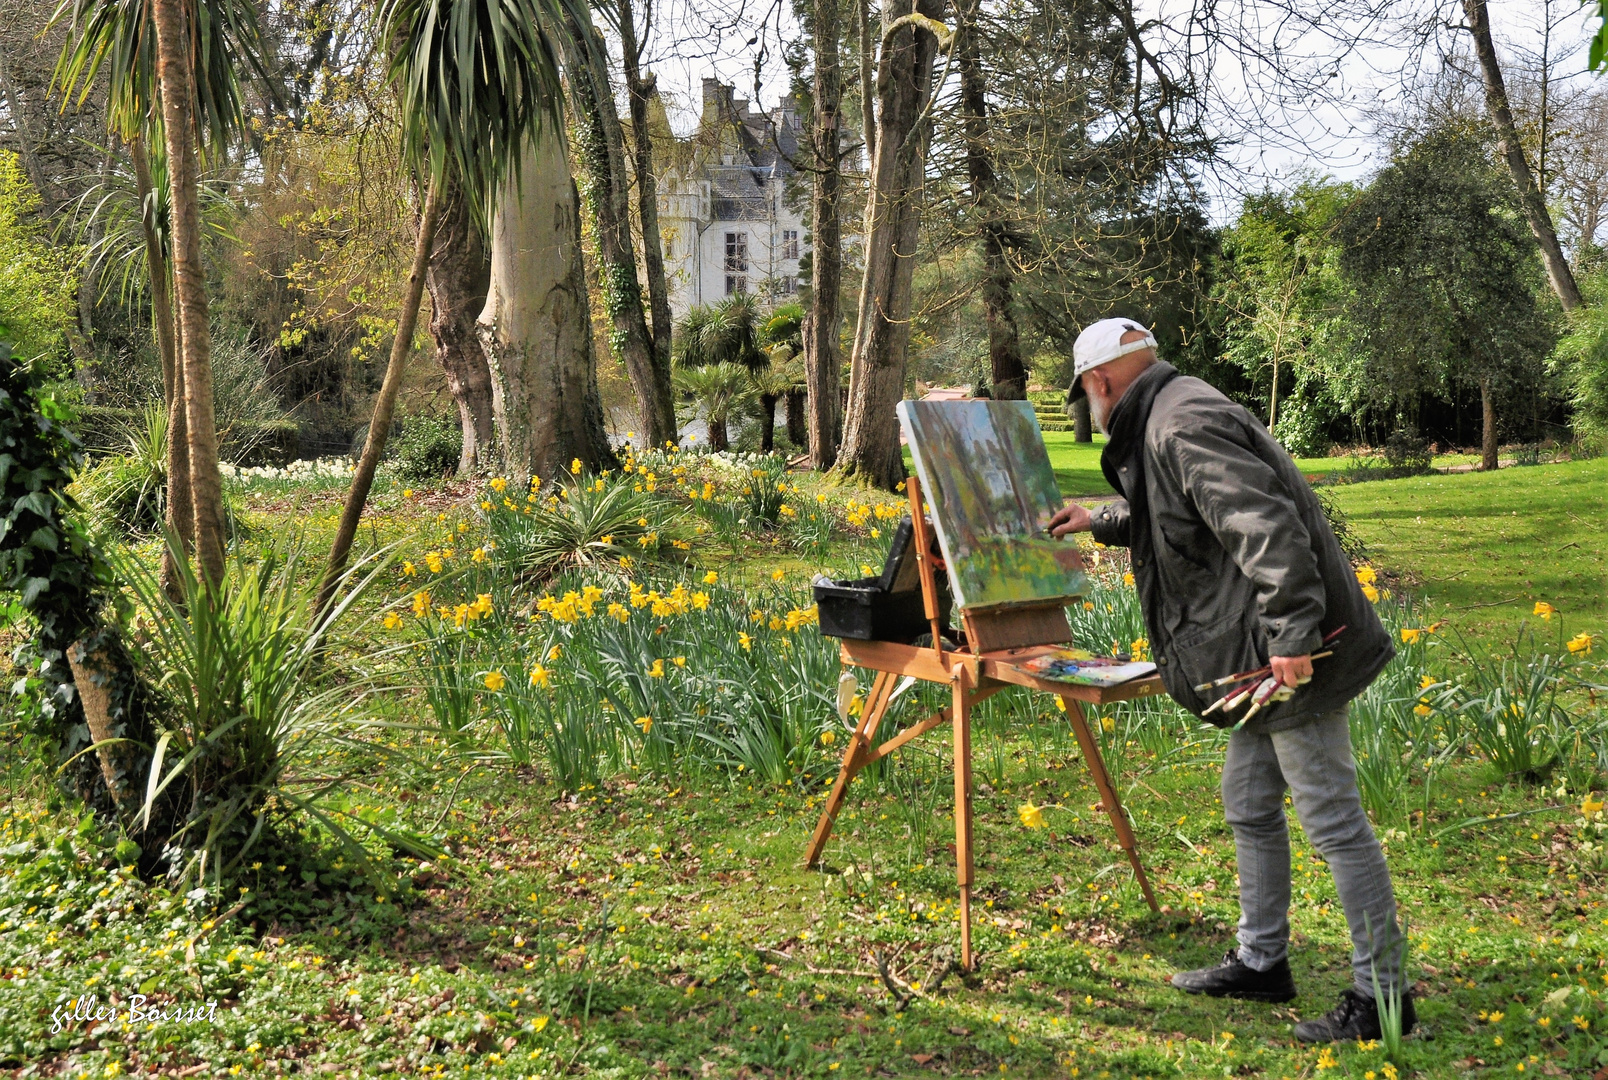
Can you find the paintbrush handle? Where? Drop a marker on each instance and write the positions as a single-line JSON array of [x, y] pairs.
[[1247, 676]]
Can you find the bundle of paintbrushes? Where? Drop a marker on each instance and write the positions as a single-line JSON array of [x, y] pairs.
[[1259, 687]]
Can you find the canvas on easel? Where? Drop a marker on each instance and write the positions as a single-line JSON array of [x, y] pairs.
[[987, 477]]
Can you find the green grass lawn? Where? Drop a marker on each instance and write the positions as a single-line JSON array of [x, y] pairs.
[[1482, 548], [650, 929]]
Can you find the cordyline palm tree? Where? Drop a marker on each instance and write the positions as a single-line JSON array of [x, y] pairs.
[[159, 90], [475, 79]]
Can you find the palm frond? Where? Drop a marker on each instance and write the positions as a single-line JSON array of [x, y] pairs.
[[475, 79], [107, 219], [119, 36]]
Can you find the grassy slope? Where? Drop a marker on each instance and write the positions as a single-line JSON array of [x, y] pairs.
[[1482, 548]]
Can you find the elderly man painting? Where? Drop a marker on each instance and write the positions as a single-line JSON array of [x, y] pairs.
[[1236, 568]]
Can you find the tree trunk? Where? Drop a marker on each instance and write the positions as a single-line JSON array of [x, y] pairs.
[[1082, 424], [1512, 150], [93, 676], [601, 150], [868, 99], [717, 434], [180, 517], [798, 429], [385, 402], [457, 277], [1273, 395], [820, 326], [639, 92], [1488, 462], [1004, 341], [537, 326], [893, 219], [184, 201], [767, 422]]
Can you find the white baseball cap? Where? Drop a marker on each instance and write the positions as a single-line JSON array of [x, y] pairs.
[[1101, 343]]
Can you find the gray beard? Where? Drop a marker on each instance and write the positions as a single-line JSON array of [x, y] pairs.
[[1099, 412]]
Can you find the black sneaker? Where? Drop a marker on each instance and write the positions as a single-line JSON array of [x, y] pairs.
[[1356, 1017], [1234, 979]]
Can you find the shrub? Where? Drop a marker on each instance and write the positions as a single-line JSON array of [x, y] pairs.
[[1581, 356], [428, 449], [245, 712], [610, 519], [128, 491]]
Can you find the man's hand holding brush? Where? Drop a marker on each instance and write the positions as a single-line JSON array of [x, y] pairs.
[[1292, 670]]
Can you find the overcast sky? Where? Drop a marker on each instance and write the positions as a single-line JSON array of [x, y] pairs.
[[1272, 129]]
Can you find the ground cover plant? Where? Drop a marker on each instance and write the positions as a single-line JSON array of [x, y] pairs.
[[617, 755]]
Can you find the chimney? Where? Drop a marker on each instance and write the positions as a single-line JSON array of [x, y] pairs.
[[714, 97]]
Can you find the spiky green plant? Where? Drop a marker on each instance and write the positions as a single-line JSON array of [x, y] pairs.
[[247, 715]]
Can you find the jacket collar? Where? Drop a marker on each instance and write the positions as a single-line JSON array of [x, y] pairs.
[[1126, 427]]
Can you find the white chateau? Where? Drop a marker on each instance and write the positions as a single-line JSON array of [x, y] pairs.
[[723, 204]]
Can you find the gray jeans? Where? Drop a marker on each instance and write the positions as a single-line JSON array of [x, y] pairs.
[[1314, 760]]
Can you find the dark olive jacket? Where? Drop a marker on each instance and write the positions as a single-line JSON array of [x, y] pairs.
[[1232, 555]]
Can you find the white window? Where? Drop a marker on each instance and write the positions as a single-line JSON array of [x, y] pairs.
[[736, 256], [736, 283], [789, 284], [790, 245]]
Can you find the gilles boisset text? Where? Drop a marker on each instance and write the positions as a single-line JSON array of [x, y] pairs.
[[85, 1008]]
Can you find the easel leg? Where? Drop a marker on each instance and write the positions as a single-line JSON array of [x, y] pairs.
[[876, 703], [1108, 795], [963, 818]]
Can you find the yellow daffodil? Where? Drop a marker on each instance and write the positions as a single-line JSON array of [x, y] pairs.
[[1411, 634], [407, 493], [828, 738], [1371, 593], [1366, 575], [494, 681], [1581, 643], [421, 604], [408, 569], [657, 670], [478, 555], [576, 466], [1544, 609], [745, 641], [1031, 816], [778, 575], [540, 676], [498, 484], [680, 661], [1127, 579], [554, 653], [1591, 806], [645, 723], [392, 621]]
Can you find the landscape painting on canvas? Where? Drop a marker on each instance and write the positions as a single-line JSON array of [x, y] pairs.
[[986, 475]]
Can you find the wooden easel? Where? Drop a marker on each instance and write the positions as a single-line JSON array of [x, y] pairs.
[[995, 642]]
